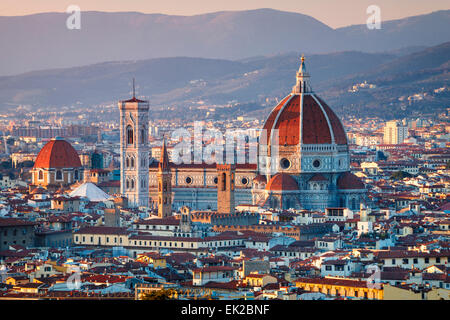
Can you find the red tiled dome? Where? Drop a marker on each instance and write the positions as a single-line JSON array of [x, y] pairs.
[[349, 181], [320, 125], [57, 153], [260, 179], [282, 182]]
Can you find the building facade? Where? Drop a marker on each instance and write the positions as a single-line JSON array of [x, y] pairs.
[[309, 169], [134, 151], [57, 164], [395, 132]]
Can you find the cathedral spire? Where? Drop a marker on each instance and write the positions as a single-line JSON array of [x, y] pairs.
[[302, 85], [164, 160], [164, 184]]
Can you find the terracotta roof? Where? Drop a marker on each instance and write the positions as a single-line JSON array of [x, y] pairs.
[[102, 230], [134, 99], [57, 153], [349, 181], [319, 124], [282, 181], [411, 254], [159, 221], [11, 222], [260, 178]]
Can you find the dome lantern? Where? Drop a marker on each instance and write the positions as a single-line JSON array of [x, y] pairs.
[[302, 84]]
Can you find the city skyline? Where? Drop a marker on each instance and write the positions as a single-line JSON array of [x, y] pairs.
[[238, 158]]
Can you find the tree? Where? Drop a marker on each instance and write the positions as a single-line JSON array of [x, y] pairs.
[[163, 294], [26, 164], [10, 141], [6, 164], [398, 175]]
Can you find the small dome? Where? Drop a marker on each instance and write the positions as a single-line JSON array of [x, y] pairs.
[[260, 179], [349, 181], [38, 190], [282, 182], [57, 153]]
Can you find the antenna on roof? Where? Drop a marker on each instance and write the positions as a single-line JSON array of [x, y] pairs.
[[134, 92]]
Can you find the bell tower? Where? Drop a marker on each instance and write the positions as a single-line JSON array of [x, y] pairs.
[[164, 184], [225, 188], [134, 151]]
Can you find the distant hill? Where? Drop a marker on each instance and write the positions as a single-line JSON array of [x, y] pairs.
[[42, 41], [184, 81], [419, 73], [178, 80]]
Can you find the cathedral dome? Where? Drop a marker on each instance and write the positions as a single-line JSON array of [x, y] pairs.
[[348, 180], [302, 117], [282, 182], [260, 179], [57, 153]]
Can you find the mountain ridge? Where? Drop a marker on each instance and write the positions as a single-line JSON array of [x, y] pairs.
[[185, 81], [42, 41]]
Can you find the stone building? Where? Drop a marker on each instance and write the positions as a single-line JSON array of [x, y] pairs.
[[134, 151], [16, 232], [56, 165]]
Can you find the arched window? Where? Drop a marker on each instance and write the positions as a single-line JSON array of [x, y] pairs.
[[353, 204], [142, 136], [224, 181], [128, 184], [58, 175], [130, 136], [127, 163], [165, 186], [288, 203], [132, 184], [132, 162], [41, 175], [76, 175], [274, 203]]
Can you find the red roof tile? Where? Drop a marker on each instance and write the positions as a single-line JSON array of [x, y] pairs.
[[349, 181], [319, 123], [282, 181], [57, 153]]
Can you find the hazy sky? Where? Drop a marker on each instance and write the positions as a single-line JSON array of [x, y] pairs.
[[335, 13]]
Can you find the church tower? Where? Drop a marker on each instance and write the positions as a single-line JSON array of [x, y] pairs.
[[164, 184], [225, 188], [134, 151]]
